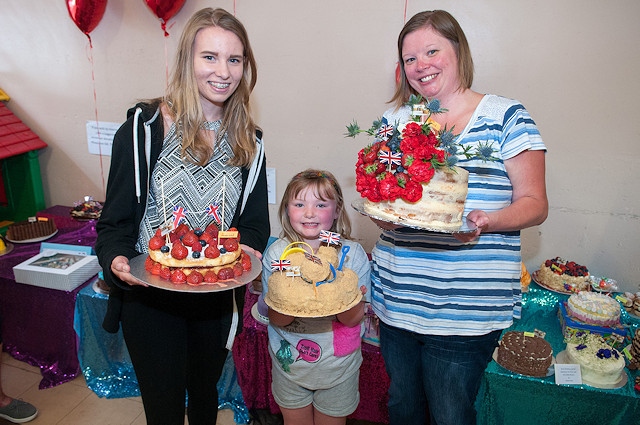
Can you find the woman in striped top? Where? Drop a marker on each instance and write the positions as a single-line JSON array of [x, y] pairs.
[[443, 301]]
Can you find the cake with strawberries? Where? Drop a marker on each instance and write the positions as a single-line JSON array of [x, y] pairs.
[[600, 364], [525, 354], [307, 284], [196, 256], [561, 275], [594, 309], [408, 174]]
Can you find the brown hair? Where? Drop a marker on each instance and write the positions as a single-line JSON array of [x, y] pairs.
[[184, 101], [326, 187], [446, 25]]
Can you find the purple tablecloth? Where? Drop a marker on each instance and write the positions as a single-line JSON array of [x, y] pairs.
[[253, 365], [37, 323]]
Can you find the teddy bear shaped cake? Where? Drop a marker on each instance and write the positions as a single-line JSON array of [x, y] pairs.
[[308, 284]]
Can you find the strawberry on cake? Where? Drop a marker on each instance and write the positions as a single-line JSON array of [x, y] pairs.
[[196, 256]]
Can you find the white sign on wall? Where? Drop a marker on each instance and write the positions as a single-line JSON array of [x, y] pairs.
[[100, 136]]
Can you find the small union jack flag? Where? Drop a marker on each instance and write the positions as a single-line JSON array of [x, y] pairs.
[[331, 238], [280, 265], [213, 210], [179, 214], [313, 258], [294, 271], [385, 131], [388, 157]]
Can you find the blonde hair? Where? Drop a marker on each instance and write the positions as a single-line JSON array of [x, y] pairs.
[[446, 25], [326, 187], [183, 98]]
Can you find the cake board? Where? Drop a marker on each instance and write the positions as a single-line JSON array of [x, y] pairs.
[[139, 272], [467, 225], [355, 302]]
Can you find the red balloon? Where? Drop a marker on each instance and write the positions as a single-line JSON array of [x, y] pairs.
[[165, 10], [86, 13]]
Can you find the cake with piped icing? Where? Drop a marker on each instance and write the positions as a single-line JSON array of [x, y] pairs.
[[594, 309], [526, 354], [600, 364]]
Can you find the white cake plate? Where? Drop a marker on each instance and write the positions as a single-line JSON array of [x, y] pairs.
[[467, 225]]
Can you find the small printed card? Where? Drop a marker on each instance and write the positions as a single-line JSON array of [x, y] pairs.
[[568, 374]]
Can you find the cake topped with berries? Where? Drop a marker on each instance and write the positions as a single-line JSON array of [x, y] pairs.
[[408, 174], [185, 247], [197, 256], [87, 209], [561, 275]]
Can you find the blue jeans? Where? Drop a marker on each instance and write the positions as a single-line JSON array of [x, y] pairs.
[[436, 374]]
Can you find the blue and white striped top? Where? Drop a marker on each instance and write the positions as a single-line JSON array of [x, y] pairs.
[[432, 283]]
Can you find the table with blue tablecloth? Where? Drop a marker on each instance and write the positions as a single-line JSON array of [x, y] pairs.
[[508, 398], [106, 365], [37, 325]]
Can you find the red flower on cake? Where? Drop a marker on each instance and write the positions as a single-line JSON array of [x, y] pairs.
[[412, 129], [405, 156]]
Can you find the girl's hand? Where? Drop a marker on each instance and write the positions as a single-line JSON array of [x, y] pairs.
[[279, 319], [121, 269], [353, 316]]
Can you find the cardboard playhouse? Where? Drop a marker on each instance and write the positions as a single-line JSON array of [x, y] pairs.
[[21, 194]]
